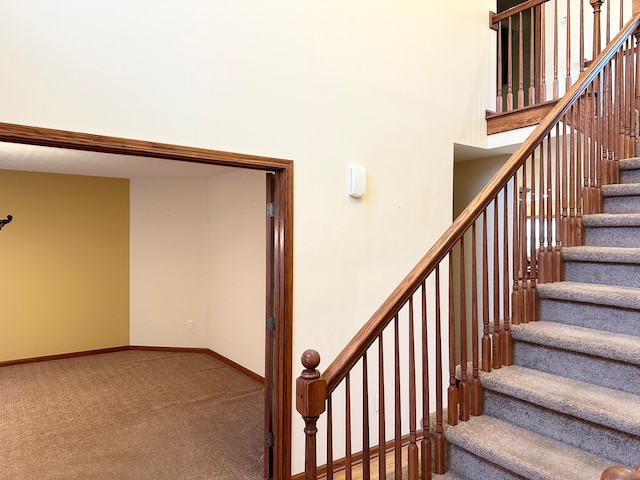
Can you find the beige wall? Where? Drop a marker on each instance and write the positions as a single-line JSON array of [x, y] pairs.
[[237, 267], [65, 264], [198, 253], [324, 83], [169, 254]]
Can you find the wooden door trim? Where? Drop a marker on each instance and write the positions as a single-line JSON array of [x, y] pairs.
[[283, 250]]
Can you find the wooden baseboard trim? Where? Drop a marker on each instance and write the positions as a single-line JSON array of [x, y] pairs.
[[208, 351], [62, 356]]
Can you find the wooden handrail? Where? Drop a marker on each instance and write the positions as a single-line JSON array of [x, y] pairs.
[[620, 473], [373, 328], [494, 18]]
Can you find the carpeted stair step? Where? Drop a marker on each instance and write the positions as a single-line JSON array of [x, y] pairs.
[[601, 307], [602, 265], [487, 448], [606, 359], [598, 420], [612, 230], [630, 170], [622, 198]]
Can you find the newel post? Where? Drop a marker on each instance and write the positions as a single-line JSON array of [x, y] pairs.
[[596, 4], [636, 7], [311, 392]]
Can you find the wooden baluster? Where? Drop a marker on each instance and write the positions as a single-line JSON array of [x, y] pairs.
[[636, 149], [382, 458], [412, 453], [543, 271], [629, 127], [425, 443], [635, 8], [618, 96], [476, 393], [329, 438], [397, 400], [497, 336], [532, 58], [557, 255], [520, 64], [507, 352], [486, 339], [516, 296], [463, 388], [542, 63], [499, 108], [596, 4], [348, 466], [578, 172], [509, 68], [568, 48], [606, 138], [439, 438], [311, 392], [531, 254], [452, 391], [564, 226], [366, 448], [555, 50], [524, 258], [550, 215], [583, 65], [571, 175], [608, 28]]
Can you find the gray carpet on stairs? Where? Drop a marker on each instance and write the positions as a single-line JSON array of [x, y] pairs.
[[570, 406]]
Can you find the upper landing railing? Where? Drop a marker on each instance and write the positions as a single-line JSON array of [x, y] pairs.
[[543, 46]]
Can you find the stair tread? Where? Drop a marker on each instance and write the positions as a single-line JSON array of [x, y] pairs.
[[612, 220], [611, 295], [613, 346], [602, 254], [523, 452], [621, 190], [599, 405], [629, 163]]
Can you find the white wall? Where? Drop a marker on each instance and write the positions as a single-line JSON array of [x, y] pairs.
[[324, 83]]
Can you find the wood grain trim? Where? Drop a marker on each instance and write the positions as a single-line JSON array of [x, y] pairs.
[[494, 18], [522, 117], [62, 356], [100, 143]]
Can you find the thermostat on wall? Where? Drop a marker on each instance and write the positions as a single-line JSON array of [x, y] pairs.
[[357, 181]]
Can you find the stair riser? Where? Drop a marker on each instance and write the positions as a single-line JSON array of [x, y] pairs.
[[600, 317], [579, 366], [624, 237], [630, 176], [623, 274], [627, 204], [619, 447], [469, 466]]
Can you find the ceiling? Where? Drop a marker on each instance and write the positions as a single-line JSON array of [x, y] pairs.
[[34, 158], [466, 153]]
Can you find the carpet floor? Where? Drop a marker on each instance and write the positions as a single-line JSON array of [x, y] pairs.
[[130, 415]]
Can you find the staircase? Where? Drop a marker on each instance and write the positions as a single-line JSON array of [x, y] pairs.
[[569, 407]]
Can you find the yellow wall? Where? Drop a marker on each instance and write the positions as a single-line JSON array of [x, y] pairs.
[[64, 264]]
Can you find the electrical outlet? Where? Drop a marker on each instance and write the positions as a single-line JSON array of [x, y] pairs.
[[189, 323]]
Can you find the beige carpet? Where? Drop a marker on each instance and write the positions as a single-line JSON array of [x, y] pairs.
[[130, 415]]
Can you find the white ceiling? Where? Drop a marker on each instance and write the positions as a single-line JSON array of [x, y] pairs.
[[15, 156], [466, 153]]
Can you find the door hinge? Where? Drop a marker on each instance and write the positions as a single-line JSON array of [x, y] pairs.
[[271, 323], [271, 209], [268, 439]]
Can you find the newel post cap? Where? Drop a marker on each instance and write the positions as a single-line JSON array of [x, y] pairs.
[[311, 388]]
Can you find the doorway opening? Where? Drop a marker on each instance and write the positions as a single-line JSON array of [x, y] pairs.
[[279, 252]]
